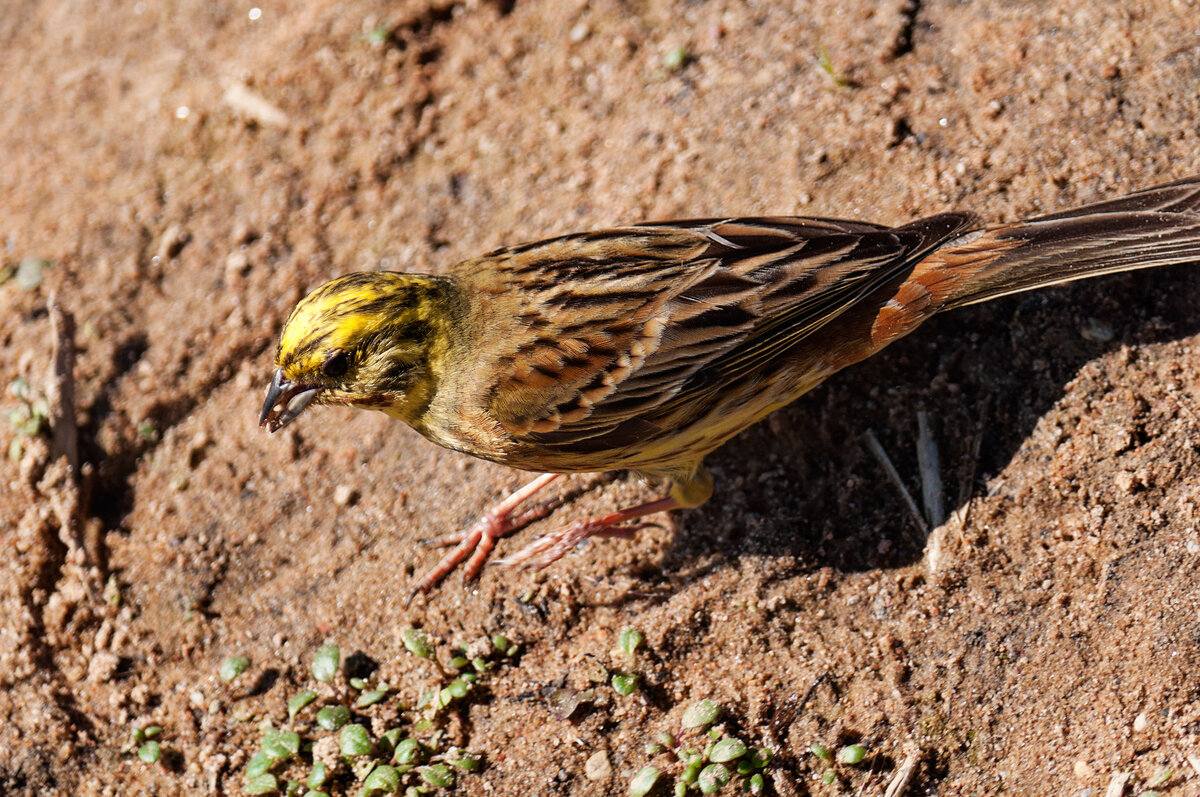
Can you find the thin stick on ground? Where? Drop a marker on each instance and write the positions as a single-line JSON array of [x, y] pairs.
[[899, 782], [62, 388], [959, 517], [884, 460], [1116, 786], [967, 482], [930, 465]]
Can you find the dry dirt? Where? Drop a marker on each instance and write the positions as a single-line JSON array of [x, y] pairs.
[[188, 169]]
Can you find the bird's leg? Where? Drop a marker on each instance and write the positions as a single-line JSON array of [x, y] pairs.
[[477, 541], [558, 543], [691, 486]]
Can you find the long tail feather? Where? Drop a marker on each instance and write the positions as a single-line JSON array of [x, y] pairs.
[[1156, 227]]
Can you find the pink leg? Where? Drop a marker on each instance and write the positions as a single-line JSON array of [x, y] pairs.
[[478, 541], [556, 544]]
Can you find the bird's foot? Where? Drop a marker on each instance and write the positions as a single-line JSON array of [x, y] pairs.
[[557, 544], [475, 544]]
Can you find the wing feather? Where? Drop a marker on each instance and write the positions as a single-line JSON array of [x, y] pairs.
[[633, 324]]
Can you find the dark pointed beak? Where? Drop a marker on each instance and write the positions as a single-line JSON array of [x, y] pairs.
[[285, 400]]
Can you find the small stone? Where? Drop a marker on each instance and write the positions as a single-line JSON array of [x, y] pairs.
[[597, 767], [1084, 771], [344, 495], [579, 32], [103, 666], [1097, 331], [237, 265], [173, 240], [1140, 722], [31, 272]]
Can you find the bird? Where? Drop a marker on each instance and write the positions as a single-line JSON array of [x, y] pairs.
[[647, 347]]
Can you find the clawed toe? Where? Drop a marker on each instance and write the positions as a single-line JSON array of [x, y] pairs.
[[475, 544]]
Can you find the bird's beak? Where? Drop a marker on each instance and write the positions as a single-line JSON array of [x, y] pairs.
[[285, 400]]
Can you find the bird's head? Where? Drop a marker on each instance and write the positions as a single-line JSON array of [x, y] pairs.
[[373, 340]]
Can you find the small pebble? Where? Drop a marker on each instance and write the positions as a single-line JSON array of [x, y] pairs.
[[597, 766], [31, 272], [344, 495], [1097, 331], [579, 32], [1140, 722], [102, 667], [1084, 771]]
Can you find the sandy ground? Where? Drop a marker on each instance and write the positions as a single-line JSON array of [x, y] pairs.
[[187, 170]]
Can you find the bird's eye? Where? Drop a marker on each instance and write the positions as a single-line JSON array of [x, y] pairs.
[[336, 365]]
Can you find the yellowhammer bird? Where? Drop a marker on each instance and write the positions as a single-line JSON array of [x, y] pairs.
[[647, 347]]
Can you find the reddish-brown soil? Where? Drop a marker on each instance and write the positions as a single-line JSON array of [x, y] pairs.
[[188, 172]]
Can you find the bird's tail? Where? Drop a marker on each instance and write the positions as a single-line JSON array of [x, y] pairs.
[[1156, 227]]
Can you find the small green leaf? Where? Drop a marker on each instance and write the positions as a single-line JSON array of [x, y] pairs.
[[700, 714], [232, 667], [675, 58], [692, 771], [501, 643], [354, 740], [757, 783], [820, 751], [297, 703], [407, 751], [325, 663], [468, 762], [259, 763], [370, 698], [316, 779], [261, 784], [291, 788], [358, 683], [382, 778], [389, 739], [712, 777], [280, 745], [150, 752], [624, 685], [437, 775], [727, 749], [829, 777], [417, 642], [1159, 778], [643, 781], [630, 640], [852, 754], [458, 688], [153, 731], [332, 718], [459, 662]]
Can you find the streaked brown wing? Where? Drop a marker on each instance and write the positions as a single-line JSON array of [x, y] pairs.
[[633, 323]]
